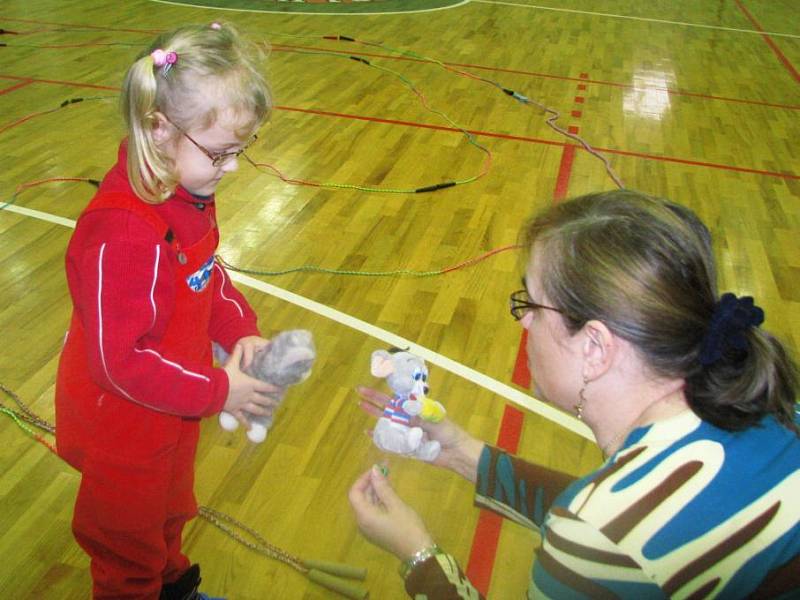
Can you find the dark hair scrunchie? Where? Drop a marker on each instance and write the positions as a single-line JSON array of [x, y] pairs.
[[731, 319]]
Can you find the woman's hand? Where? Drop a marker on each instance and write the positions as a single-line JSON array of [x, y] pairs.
[[245, 393], [384, 519], [460, 451]]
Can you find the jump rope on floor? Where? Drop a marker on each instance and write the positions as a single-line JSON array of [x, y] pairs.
[[337, 577], [551, 121]]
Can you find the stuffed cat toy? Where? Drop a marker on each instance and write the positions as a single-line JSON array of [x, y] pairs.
[[286, 361], [407, 375]]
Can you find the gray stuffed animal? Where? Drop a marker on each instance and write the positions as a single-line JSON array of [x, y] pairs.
[[286, 361], [407, 375]]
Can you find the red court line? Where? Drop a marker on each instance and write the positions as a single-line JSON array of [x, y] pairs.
[[80, 25], [290, 47], [59, 82], [485, 540], [582, 77], [490, 134], [4, 128], [15, 87], [699, 163], [564, 173], [522, 374], [534, 140], [781, 56], [504, 136], [487, 531], [486, 537]]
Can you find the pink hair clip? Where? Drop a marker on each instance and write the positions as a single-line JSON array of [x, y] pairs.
[[216, 25], [164, 60], [159, 57]]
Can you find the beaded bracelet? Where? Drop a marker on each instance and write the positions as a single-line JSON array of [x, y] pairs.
[[419, 557]]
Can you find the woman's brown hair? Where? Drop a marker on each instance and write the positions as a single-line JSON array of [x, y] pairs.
[[644, 266]]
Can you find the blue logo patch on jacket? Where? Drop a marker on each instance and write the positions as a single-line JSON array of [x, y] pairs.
[[200, 278]]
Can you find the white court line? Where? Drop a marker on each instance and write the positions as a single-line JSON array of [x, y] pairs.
[[646, 19], [37, 214], [314, 14], [496, 387]]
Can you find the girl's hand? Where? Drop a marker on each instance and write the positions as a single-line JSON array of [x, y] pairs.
[[460, 451], [384, 519], [245, 393], [250, 345]]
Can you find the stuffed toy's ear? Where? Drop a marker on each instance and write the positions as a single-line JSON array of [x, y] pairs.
[[381, 364]]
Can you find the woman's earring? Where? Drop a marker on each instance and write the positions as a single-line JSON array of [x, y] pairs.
[[581, 402]]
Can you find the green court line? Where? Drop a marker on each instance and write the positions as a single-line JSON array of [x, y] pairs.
[[321, 6]]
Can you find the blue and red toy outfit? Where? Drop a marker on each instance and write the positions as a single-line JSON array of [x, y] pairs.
[[136, 376]]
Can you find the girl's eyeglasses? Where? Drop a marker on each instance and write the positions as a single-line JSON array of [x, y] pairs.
[[217, 158], [220, 158], [520, 304]]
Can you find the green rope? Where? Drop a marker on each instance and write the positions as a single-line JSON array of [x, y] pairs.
[[410, 84], [19, 421], [317, 269]]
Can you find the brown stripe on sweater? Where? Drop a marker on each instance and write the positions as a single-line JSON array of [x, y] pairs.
[[727, 546], [621, 463], [550, 481], [779, 581], [491, 477], [572, 579], [559, 511], [704, 590], [615, 559], [621, 526]]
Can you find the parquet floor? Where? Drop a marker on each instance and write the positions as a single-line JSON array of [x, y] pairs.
[[694, 100]]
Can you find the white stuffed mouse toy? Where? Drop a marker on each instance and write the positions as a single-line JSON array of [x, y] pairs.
[[286, 361], [407, 375]]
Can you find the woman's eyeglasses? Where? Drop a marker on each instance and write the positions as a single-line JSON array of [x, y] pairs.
[[520, 304]]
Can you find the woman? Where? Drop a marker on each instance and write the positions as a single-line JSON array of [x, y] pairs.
[[692, 404]]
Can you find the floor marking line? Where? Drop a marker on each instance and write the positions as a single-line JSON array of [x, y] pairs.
[[773, 46], [37, 214], [616, 16], [15, 87], [277, 47], [81, 25], [498, 388], [534, 140], [632, 18], [528, 139], [314, 14], [76, 84]]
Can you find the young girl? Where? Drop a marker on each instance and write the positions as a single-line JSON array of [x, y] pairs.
[[136, 372]]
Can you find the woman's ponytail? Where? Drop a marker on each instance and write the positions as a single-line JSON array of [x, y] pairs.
[[741, 387]]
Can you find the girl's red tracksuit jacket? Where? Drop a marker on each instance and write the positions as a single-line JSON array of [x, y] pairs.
[[136, 375]]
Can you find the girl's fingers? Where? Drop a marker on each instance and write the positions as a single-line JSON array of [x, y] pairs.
[[235, 357]]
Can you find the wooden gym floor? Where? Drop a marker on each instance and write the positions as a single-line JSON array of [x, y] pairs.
[[694, 100]]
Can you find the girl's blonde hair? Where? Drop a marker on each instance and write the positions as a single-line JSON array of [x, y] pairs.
[[216, 72], [644, 266]]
